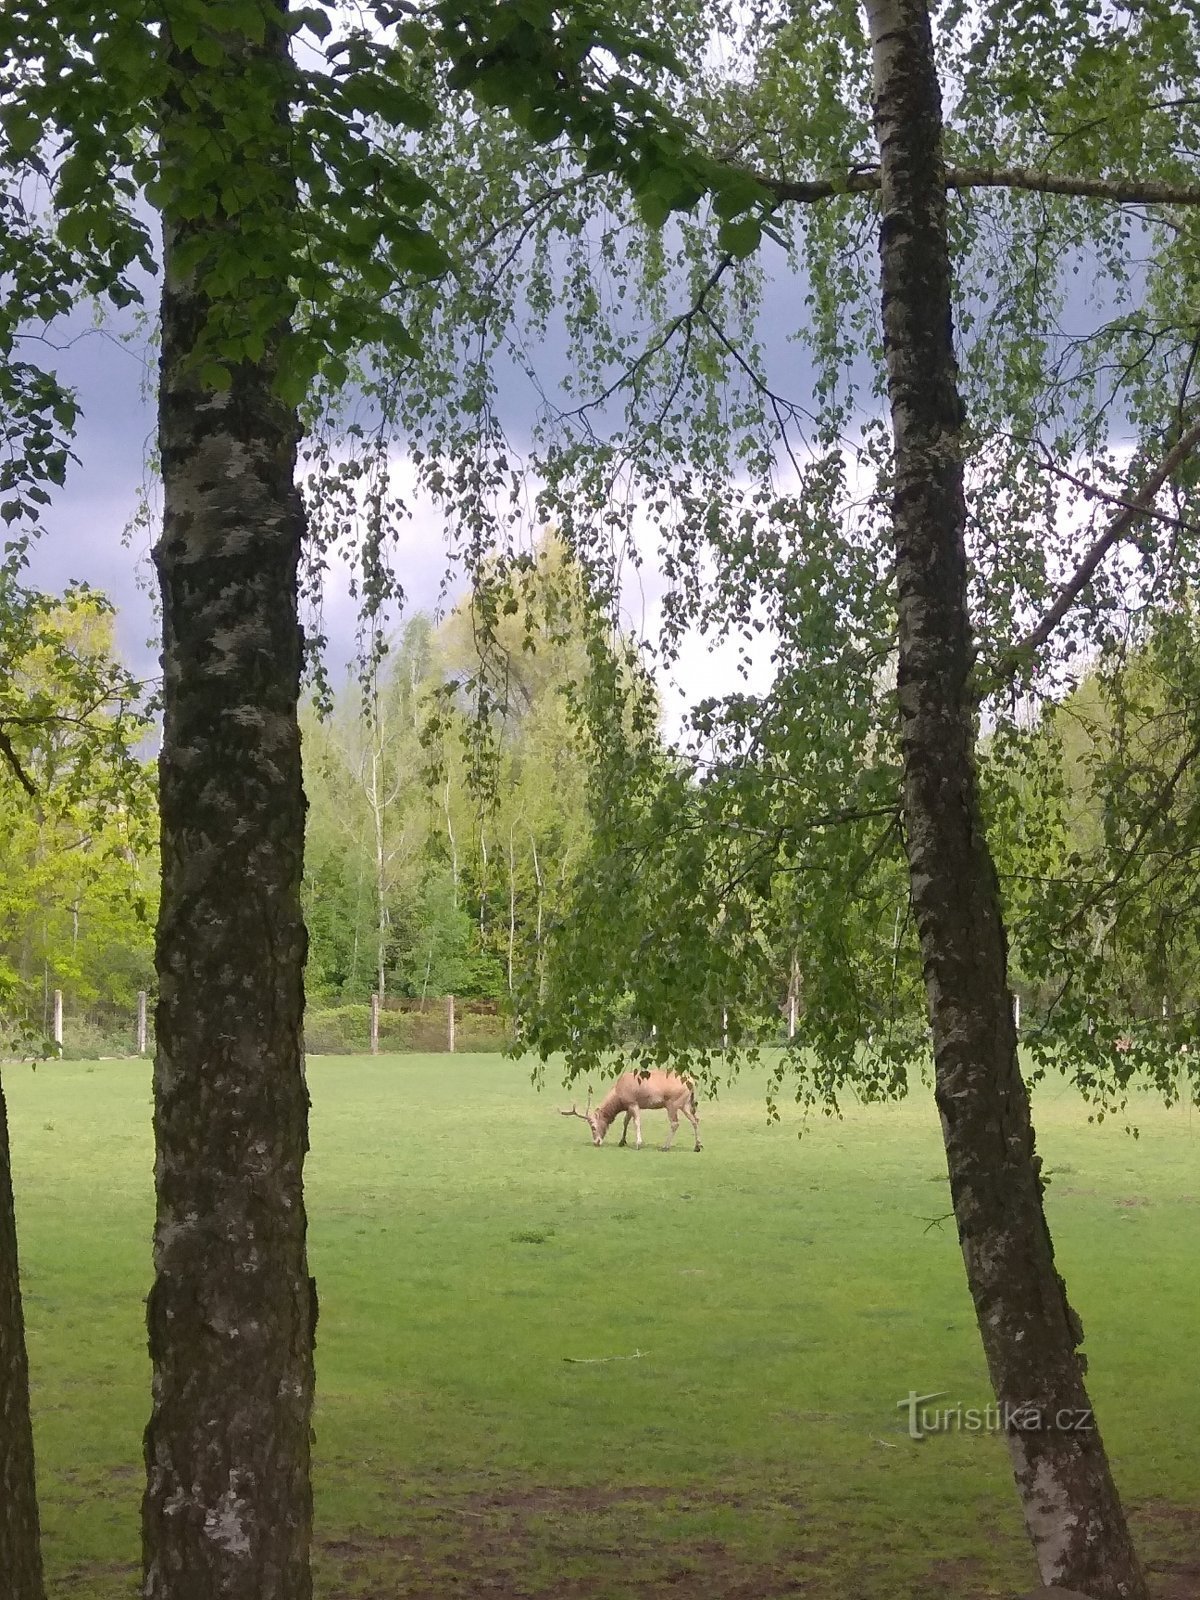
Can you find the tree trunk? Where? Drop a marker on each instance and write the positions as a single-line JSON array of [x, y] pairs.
[[20, 1544], [381, 907], [453, 846], [537, 876], [1029, 1331], [228, 1508], [512, 902]]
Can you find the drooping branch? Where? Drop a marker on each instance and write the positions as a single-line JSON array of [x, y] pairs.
[[1135, 506]]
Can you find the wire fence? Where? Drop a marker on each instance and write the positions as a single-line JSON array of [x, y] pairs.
[[395, 1024]]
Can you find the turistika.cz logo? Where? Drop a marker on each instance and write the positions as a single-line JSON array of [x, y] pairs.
[[925, 1418]]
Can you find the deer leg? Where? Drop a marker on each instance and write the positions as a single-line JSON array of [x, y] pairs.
[[625, 1129], [636, 1114], [673, 1119], [694, 1119]]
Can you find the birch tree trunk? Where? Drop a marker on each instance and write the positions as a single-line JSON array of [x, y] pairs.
[[537, 877], [228, 1510], [375, 801], [1030, 1333], [512, 902], [20, 1542], [453, 845]]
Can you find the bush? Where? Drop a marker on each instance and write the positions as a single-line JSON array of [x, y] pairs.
[[85, 1039]]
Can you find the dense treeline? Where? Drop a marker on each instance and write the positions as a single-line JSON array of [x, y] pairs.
[[453, 815], [447, 813], [447, 802]]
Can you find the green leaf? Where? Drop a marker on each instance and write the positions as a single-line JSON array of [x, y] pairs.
[[419, 252], [22, 127], [741, 238], [653, 209], [216, 376], [314, 18]]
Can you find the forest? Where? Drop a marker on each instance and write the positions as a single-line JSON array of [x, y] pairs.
[[864, 339]]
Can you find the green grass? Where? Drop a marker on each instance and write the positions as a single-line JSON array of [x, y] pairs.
[[480, 1265]]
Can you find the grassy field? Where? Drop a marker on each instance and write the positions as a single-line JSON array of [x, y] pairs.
[[546, 1369]]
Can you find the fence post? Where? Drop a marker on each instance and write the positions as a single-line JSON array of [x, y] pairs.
[[58, 1019], [374, 1024], [1016, 1013], [791, 1014], [141, 1023], [450, 1023]]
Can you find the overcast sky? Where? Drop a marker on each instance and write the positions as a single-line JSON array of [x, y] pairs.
[[94, 516], [96, 532]]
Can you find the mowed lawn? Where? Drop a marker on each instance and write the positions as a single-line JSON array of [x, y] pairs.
[[546, 1369]]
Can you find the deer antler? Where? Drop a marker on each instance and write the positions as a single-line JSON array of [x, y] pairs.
[[573, 1113]]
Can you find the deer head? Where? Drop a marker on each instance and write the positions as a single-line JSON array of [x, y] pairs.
[[589, 1116]]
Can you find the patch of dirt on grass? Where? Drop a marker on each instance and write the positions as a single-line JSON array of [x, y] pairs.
[[1168, 1537], [526, 1541], [96, 1580], [960, 1577], [576, 1542]]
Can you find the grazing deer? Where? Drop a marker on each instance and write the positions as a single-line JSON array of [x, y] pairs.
[[635, 1092]]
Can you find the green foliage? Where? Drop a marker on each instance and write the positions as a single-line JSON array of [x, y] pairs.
[[77, 848], [504, 222], [774, 836], [1099, 809]]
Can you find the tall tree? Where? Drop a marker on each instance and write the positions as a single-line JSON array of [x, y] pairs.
[[272, 274], [20, 1545], [232, 1312], [69, 716], [1030, 1333]]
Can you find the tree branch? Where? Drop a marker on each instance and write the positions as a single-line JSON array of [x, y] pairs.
[[1134, 507], [14, 761], [1121, 191]]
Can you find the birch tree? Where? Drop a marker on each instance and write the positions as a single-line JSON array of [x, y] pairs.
[[20, 1544], [274, 278], [74, 813], [1030, 1332]]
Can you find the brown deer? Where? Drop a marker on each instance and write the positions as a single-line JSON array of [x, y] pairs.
[[635, 1092]]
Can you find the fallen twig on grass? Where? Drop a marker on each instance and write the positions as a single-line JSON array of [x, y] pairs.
[[596, 1361]]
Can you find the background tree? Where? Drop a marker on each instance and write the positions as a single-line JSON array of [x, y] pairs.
[[270, 276], [77, 852], [75, 811], [371, 790]]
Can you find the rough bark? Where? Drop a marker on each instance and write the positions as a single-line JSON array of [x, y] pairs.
[[228, 1510], [20, 1543], [1030, 1334]]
